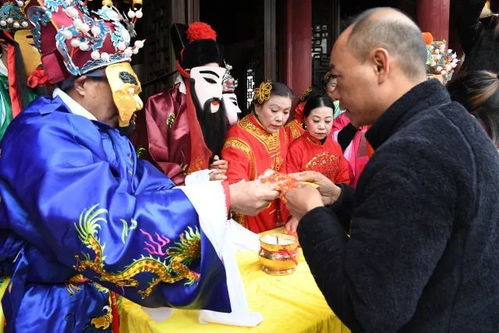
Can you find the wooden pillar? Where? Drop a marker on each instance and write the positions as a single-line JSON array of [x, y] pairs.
[[433, 16], [269, 40], [297, 48], [184, 11], [192, 13], [335, 20]]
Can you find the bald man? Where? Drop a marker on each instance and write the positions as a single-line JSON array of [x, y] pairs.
[[415, 248]]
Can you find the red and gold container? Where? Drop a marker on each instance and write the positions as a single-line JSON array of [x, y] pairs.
[[278, 253]]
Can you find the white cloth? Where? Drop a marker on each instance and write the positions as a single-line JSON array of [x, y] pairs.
[[182, 88], [240, 315], [158, 314], [3, 69], [208, 198], [197, 177], [72, 105]]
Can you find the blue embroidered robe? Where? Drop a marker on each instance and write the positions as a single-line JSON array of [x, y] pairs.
[[74, 199]]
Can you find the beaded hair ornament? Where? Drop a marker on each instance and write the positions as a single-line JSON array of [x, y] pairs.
[[327, 76], [305, 94], [262, 93]]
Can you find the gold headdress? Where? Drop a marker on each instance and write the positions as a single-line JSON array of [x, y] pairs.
[[262, 93], [327, 76], [305, 94]]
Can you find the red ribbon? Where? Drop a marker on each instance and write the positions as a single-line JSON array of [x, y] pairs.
[[114, 310], [283, 252], [15, 99], [37, 78], [299, 116]]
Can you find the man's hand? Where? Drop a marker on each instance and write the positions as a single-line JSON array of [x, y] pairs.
[[250, 197], [218, 169], [328, 190], [303, 199]]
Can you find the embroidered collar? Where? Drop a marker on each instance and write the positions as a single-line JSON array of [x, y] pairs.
[[270, 140]]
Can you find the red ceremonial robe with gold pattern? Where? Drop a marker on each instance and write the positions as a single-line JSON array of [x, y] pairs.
[[294, 128], [250, 150], [308, 153], [170, 132]]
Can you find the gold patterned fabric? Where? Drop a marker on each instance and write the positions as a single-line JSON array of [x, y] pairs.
[[308, 153], [250, 150]]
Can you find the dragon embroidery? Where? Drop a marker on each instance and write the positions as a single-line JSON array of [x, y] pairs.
[[171, 269], [104, 321]]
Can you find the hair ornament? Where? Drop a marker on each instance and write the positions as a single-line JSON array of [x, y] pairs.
[[327, 76], [305, 94], [262, 93], [229, 83]]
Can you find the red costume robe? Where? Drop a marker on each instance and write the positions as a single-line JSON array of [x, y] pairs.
[[171, 134], [294, 128], [250, 150], [308, 153]]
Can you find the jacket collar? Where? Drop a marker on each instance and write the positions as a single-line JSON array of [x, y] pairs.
[[423, 96]]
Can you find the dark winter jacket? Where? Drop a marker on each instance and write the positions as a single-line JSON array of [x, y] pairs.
[[423, 251]]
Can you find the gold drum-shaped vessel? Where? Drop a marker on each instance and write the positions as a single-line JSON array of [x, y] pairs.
[[278, 253]]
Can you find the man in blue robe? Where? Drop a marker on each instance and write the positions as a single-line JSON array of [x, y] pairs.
[[80, 214]]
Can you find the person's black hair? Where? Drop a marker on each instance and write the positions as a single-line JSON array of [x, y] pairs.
[[478, 92], [278, 89], [316, 101], [96, 75]]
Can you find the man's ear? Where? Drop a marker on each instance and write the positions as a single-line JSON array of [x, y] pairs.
[[380, 63], [79, 85]]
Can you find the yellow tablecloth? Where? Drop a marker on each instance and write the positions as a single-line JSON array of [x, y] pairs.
[[4, 282], [291, 303]]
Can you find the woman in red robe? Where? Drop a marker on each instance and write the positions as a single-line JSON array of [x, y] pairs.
[[316, 150], [257, 143]]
